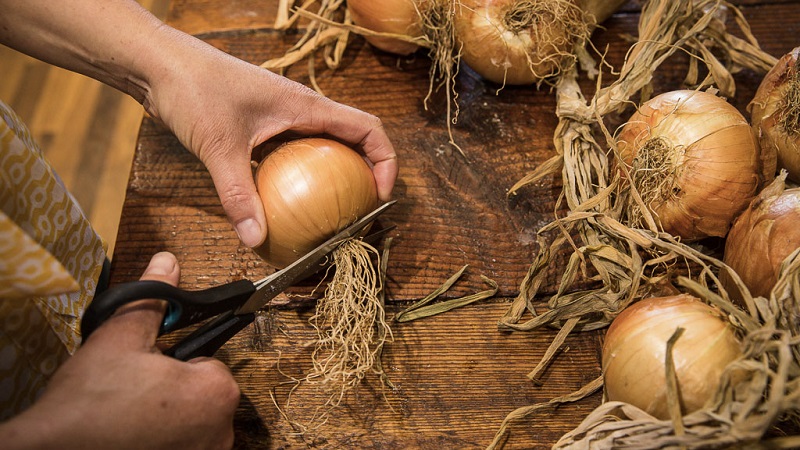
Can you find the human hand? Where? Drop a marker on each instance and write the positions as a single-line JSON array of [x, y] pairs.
[[118, 391], [221, 108]]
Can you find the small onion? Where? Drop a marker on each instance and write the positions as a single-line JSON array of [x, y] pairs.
[[695, 162], [388, 16], [311, 189], [761, 238], [525, 41], [775, 113], [634, 353]]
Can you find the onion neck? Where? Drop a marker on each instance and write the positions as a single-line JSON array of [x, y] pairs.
[[790, 106], [522, 16], [654, 171]]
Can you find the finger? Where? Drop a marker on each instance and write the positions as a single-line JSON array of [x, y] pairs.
[[136, 325], [317, 114], [367, 132], [220, 378], [233, 178], [380, 151]]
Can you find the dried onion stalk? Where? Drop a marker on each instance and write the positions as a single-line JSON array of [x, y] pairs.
[[630, 262]]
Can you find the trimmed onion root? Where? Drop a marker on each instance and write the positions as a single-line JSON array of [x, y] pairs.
[[350, 323]]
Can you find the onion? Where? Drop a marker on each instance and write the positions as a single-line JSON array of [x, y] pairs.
[[695, 162], [634, 353], [761, 238], [388, 16], [311, 189], [775, 113], [525, 41]]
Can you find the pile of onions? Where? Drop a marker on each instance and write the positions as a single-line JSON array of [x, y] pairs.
[[635, 351], [695, 162], [311, 189], [775, 113], [761, 238], [505, 41]]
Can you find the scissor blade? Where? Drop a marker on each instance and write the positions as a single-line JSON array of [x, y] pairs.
[[278, 282]]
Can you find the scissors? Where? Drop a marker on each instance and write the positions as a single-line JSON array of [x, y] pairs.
[[234, 304]]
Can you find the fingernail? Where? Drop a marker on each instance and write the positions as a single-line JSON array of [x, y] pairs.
[[249, 232], [161, 264]]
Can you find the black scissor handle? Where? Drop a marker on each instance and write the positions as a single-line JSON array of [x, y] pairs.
[[207, 339], [184, 307]]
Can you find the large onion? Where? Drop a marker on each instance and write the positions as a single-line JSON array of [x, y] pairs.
[[634, 353], [761, 238], [525, 41], [311, 189], [695, 162], [388, 16], [775, 113]]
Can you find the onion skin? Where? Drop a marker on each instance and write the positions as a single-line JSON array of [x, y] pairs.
[[761, 238], [634, 353], [716, 165], [509, 55], [311, 189], [768, 108], [388, 16]]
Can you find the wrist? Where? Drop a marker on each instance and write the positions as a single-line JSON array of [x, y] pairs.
[[24, 432]]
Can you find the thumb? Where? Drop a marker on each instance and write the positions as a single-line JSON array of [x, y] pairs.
[[136, 325], [239, 197]]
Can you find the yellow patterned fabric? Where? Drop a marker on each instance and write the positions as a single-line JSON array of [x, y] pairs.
[[50, 261]]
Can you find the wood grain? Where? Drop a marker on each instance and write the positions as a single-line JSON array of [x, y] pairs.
[[456, 375], [86, 130]]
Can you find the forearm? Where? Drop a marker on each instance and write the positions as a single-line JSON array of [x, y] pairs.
[[111, 41]]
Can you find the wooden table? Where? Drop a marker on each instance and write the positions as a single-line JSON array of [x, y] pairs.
[[456, 375]]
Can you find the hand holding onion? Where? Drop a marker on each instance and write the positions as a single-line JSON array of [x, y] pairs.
[[694, 161], [634, 353], [312, 188]]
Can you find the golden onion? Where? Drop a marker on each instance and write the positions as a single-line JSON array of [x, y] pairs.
[[525, 41], [634, 353], [694, 161], [388, 16], [311, 189], [761, 238], [775, 113]]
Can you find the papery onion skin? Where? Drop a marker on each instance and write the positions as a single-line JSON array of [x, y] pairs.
[[518, 53], [714, 162], [634, 353], [761, 238], [311, 189], [772, 110], [388, 16]]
